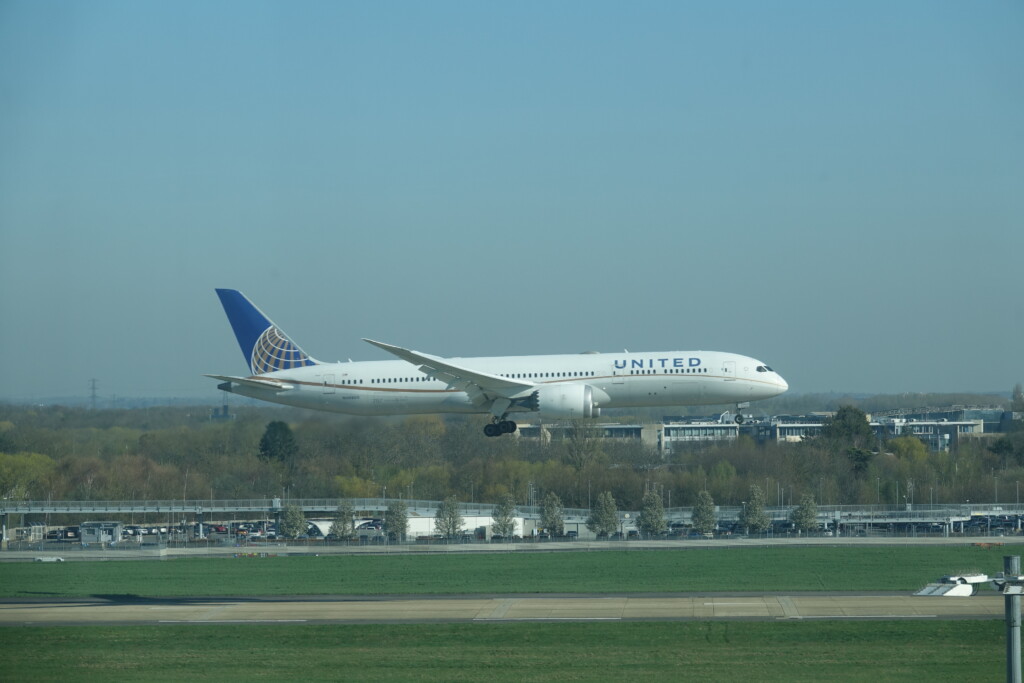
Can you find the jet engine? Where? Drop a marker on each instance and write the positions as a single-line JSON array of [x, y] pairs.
[[567, 401]]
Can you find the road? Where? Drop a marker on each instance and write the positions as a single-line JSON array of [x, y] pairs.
[[425, 609]]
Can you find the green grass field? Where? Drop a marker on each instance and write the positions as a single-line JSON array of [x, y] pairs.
[[711, 651], [874, 651], [761, 569]]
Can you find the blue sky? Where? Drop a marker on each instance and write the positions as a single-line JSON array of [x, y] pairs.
[[835, 189]]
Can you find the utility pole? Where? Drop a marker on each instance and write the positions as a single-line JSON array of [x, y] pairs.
[[92, 392], [1011, 568]]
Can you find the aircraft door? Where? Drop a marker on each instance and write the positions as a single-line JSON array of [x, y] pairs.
[[619, 390], [327, 383], [729, 370]]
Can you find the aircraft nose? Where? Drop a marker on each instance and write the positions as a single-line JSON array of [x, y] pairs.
[[783, 384]]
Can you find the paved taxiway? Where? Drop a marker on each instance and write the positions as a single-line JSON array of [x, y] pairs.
[[404, 609]]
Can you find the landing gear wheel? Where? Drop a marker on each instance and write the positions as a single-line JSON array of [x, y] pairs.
[[739, 419], [499, 427]]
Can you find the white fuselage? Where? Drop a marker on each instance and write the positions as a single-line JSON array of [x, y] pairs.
[[623, 380]]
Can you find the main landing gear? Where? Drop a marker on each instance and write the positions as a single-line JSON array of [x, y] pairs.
[[499, 427]]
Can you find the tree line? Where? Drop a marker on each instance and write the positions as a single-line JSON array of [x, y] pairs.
[[604, 519], [179, 453]]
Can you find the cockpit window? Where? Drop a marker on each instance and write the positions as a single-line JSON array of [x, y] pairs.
[[764, 368]]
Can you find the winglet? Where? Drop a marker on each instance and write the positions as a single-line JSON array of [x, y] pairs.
[[266, 348]]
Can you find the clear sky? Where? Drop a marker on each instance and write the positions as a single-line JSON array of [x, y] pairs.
[[836, 189]]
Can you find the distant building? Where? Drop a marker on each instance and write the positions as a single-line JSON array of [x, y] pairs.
[[221, 414], [702, 432], [100, 532], [993, 419], [939, 428], [558, 432], [938, 435], [788, 428]]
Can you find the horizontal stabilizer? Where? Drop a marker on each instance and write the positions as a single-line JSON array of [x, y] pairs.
[[255, 382]]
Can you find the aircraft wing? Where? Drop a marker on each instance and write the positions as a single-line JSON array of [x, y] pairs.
[[482, 388], [255, 382]]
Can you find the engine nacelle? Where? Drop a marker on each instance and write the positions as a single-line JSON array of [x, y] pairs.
[[567, 401]]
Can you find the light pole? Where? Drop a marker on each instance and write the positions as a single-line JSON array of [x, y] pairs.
[[1012, 588]]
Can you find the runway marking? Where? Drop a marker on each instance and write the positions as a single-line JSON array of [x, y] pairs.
[[864, 616], [788, 608], [499, 610], [548, 619], [233, 621], [733, 604]]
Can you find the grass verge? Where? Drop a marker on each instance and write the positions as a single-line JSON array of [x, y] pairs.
[[718, 651], [762, 569]]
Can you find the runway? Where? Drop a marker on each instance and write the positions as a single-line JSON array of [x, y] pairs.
[[114, 610]]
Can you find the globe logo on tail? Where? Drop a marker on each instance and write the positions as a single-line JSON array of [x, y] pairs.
[[273, 351]]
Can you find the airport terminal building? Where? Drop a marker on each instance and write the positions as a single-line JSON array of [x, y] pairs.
[[939, 428]]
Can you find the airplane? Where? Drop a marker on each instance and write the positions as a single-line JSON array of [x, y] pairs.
[[566, 386]]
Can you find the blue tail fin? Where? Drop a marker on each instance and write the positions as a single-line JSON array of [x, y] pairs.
[[265, 347]]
